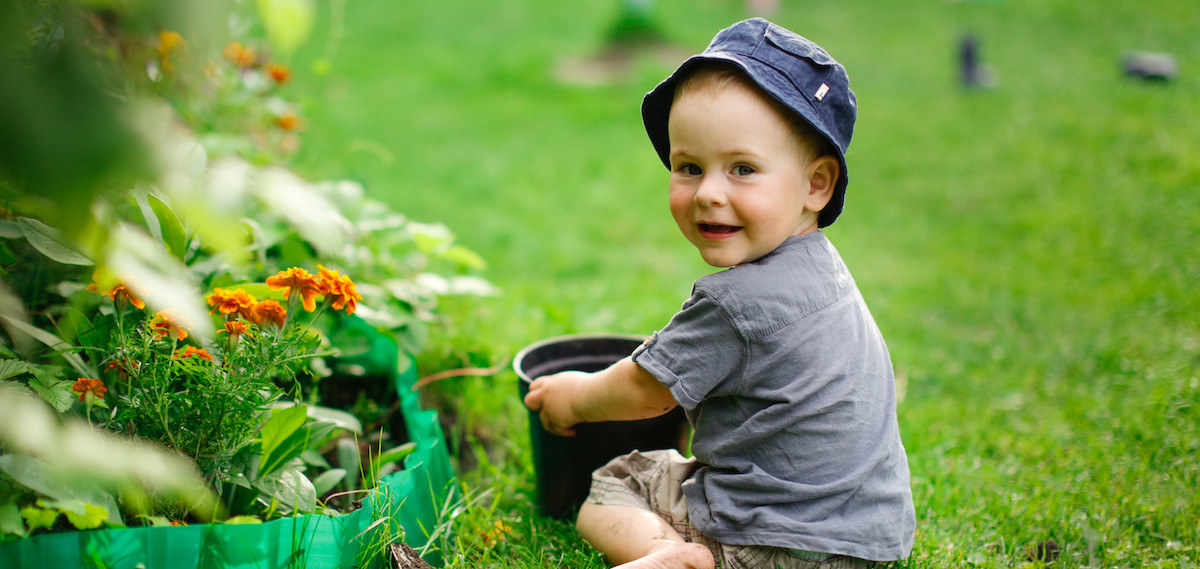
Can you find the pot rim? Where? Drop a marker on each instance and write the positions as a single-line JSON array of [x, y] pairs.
[[520, 357]]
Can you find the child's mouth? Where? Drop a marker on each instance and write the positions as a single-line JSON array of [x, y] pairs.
[[717, 231]]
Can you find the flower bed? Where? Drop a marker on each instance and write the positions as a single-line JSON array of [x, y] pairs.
[[410, 499], [202, 388]]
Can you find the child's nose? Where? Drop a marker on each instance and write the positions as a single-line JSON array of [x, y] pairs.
[[711, 192]]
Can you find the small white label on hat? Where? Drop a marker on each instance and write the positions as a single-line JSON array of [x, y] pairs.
[[821, 92]]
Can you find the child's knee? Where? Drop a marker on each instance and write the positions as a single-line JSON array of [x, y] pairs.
[[594, 519]]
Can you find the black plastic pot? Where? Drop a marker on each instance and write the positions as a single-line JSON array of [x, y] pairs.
[[564, 465]]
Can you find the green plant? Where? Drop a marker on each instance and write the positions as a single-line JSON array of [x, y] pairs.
[[52, 467], [211, 402], [192, 195]]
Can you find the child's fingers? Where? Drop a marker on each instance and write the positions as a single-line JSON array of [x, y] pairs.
[[553, 428], [533, 399]]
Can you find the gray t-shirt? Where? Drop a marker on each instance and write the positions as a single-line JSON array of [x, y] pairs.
[[789, 388]]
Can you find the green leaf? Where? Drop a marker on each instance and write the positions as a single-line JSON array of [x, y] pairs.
[[288, 22], [283, 438], [243, 520], [97, 333], [55, 343], [464, 257], [312, 216], [161, 221], [10, 229], [350, 459], [312, 457], [155, 521], [9, 368], [35, 475], [317, 431], [57, 392], [82, 515], [337, 417], [174, 236], [391, 455], [139, 198], [430, 237], [46, 240], [14, 389], [38, 518], [328, 480], [290, 487], [32, 474], [10, 521]]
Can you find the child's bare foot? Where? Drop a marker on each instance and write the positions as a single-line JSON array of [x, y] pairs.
[[674, 555]]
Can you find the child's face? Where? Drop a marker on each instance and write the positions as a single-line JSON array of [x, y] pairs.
[[739, 176]]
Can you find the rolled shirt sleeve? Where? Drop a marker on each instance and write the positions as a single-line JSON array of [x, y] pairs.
[[700, 341]]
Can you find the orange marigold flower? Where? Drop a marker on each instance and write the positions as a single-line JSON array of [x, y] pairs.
[[189, 351], [288, 122], [269, 312], [234, 328], [122, 291], [497, 533], [300, 281], [238, 54], [167, 325], [168, 43], [83, 386], [123, 366], [324, 277], [340, 289], [236, 301], [280, 73], [116, 292]]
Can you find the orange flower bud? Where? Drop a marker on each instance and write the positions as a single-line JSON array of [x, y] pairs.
[[238, 54], [280, 73], [166, 325], [288, 122], [234, 328], [169, 41], [189, 351], [123, 366]]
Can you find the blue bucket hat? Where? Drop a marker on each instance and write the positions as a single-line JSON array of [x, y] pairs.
[[792, 69]]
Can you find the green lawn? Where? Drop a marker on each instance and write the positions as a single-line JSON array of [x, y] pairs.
[[1029, 251]]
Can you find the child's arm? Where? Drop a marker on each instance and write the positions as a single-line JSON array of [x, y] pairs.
[[622, 392]]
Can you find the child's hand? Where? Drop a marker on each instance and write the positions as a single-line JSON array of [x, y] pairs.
[[553, 396]]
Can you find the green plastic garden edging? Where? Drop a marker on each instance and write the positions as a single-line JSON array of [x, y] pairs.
[[413, 495]]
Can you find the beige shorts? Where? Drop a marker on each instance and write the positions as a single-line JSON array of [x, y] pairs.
[[653, 480]]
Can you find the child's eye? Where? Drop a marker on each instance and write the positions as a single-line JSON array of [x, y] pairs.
[[690, 169], [742, 170]]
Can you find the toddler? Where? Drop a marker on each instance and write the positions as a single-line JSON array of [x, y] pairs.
[[779, 365]]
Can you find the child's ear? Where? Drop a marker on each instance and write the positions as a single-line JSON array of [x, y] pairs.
[[822, 179]]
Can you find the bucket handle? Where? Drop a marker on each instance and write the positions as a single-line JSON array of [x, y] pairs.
[[460, 372]]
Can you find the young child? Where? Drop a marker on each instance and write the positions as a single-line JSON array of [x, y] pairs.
[[777, 361]]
